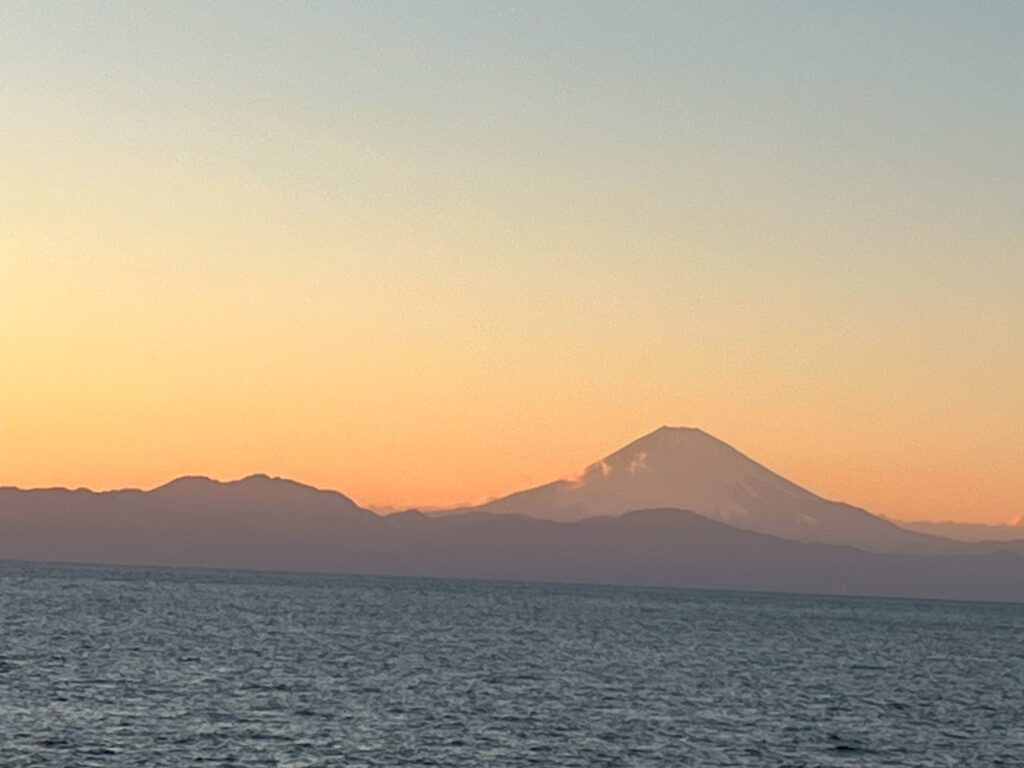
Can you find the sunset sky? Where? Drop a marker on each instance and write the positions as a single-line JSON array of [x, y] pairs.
[[432, 253]]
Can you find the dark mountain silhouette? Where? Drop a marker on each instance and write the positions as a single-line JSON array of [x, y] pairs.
[[265, 523], [685, 468], [189, 521]]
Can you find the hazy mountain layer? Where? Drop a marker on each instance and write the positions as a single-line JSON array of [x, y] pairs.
[[969, 531], [261, 523]]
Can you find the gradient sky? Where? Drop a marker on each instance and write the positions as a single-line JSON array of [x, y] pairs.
[[431, 253]]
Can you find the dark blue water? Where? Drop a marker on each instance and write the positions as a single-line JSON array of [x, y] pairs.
[[152, 667]]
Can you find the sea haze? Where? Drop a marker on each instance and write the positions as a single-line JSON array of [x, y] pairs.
[[127, 666]]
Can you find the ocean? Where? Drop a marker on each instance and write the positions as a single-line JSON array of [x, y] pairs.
[[104, 666]]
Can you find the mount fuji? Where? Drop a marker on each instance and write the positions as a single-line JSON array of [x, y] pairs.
[[686, 468]]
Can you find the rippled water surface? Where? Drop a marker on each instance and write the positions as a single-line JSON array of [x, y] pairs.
[[153, 667]]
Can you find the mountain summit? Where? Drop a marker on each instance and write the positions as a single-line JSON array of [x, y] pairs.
[[255, 492], [686, 468]]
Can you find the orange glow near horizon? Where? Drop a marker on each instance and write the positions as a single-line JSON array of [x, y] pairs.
[[440, 462], [431, 269], [124, 369]]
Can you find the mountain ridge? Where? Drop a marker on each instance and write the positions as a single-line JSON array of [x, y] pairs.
[[688, 468], [654, 547], [974, 532]]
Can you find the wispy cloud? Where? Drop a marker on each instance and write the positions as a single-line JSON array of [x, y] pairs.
[[639, 463]]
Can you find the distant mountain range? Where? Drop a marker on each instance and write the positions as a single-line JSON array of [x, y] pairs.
[[969, 531], [675, 508], [689, 469]]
